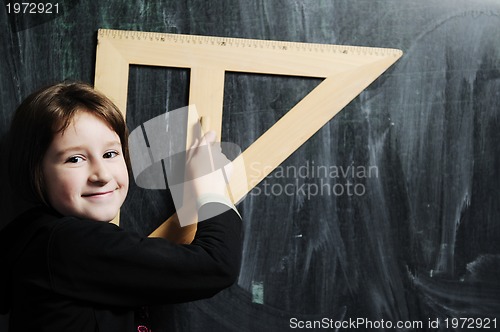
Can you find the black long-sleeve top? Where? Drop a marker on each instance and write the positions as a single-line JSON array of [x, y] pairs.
[[68, 274]]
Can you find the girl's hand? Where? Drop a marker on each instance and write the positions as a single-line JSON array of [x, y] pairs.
[[204, 167]]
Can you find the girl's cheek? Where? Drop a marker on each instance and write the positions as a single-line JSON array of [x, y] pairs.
[[65, 183]]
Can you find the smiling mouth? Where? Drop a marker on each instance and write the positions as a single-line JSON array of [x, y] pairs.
[[99, 194]]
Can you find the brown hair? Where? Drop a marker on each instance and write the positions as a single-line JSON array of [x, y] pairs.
[[40, 116]]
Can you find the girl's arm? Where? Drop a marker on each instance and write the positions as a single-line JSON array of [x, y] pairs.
[[205, 183], [102, 263]]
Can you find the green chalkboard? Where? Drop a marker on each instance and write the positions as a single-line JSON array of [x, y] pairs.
[[390, 211]]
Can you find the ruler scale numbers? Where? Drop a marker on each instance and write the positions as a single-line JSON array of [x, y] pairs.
[[346, 70]]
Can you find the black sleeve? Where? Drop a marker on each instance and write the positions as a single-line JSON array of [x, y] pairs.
[[102, 263]]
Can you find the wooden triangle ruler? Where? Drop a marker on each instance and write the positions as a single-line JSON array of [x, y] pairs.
[[347, 71]]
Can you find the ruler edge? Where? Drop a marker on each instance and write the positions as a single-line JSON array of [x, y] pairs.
[[217, 40]]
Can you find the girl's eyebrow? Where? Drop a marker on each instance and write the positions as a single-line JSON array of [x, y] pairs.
[[69, 150], [113, 143]]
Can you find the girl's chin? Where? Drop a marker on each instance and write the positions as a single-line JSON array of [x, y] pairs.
[[100, 217]]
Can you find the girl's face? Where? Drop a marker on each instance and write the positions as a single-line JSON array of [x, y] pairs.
[[85, 174]]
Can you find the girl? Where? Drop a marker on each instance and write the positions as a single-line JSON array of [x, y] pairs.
[[67, 268]]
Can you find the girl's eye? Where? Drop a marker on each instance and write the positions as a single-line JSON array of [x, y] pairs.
[[110, 154], [74, 159]]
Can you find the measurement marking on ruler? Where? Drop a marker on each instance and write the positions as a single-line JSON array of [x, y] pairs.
[[241, 42]]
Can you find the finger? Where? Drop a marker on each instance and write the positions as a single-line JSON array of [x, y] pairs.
[[192, 150], [209, 137], [228, 170], [220, 159], [204, 124]]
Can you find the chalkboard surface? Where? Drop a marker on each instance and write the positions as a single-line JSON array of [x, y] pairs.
[[390, 212]]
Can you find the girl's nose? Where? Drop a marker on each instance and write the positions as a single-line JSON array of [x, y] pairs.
[[99, 173]]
